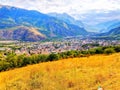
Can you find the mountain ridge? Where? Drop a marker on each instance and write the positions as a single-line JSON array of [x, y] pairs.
[[67, 18], [47, 26], [113, 34]]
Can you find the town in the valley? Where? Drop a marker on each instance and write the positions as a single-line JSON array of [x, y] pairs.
[[56, 46]]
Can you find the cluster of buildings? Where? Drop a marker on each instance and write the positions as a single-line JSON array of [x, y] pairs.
[[62, 46], [57, 46]]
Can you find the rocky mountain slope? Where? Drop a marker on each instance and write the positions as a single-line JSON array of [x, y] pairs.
[[29, 25]]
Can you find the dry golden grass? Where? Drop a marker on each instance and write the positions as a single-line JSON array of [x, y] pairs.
[[85, 73]]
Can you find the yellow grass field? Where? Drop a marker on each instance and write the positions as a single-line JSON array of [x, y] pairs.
[[85, 73]]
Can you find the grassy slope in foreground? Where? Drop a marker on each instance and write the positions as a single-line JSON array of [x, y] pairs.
[[85, 73]]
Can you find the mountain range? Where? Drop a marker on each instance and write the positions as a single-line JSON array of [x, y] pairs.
[[30, 25], [112, 34], [109, 29], [100, 21]]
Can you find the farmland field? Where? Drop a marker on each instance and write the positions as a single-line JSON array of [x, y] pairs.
[[85, 73]]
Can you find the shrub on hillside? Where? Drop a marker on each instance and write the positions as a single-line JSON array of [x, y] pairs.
[[53, 57], [4, 65], [109, 51], [117, 48], [99, 50]]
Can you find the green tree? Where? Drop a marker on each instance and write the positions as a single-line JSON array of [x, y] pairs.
[[92, 51], [53, 57], [4, 65], [99, 50], [42, 58], [109, 51], [117, 48], [2, 57]]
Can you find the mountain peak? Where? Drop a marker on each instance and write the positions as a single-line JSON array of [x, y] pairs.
[[67, 18]]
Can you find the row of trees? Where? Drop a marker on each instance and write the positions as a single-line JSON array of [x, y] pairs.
[[11, 60]]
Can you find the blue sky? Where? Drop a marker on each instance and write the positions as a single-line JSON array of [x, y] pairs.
[[68, 6]]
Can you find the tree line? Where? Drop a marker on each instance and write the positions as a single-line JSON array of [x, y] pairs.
[[9, 60]]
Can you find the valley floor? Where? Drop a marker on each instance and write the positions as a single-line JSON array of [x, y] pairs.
[[85, 73]]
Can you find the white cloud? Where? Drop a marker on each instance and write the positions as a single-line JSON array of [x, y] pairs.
[[68, 6]]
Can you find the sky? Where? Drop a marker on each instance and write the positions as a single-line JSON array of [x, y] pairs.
[[68, 6]]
